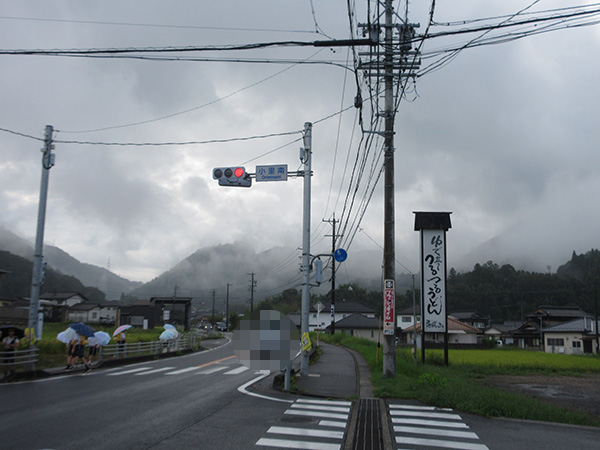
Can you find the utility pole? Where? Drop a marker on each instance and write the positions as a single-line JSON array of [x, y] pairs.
[[396, 60], [227, 310], [306, 157], [333, 236], [37, 277], [252, 283], [389, 249], [212, 317]]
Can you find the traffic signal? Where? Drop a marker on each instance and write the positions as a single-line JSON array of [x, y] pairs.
[[232, 176]]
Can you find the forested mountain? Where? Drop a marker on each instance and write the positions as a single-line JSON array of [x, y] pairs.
[[17, 283], [502, 292]]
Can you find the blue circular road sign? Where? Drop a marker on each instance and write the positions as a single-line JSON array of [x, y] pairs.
[[340, 255]]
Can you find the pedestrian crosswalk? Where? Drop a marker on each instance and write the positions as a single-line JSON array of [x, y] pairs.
[[311, 425], [170, 371], [418, 427]]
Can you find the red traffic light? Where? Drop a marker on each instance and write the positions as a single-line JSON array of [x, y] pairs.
[[239, 172]]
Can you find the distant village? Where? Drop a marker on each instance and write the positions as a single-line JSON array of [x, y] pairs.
[[552, 329]]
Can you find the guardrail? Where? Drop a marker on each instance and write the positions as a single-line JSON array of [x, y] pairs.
[[129, 350], [28, 357], [9, 360]]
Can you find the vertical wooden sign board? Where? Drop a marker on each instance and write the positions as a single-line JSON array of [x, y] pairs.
[[434, 311]]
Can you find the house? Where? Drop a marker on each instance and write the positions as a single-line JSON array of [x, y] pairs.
[[56, 305], [473, 318], [572, 338], [157, 311], [529, 335], [502, 332], [358, 325], [458, 334], [406, 317], [320, 313], [554, 315], [84, 312]]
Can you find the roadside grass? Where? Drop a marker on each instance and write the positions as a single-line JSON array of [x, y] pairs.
[[459, 386]]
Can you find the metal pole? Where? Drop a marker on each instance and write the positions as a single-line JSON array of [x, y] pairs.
[[414, 319], [333, 279], [227, 310], [212, 318], [306, 239], [36, 278], [389, 254]]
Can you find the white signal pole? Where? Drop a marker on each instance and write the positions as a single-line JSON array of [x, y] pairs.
[[36, 282], [306, 159]]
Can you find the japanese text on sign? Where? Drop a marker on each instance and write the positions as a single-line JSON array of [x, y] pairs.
[[389, 301], [434, 281]]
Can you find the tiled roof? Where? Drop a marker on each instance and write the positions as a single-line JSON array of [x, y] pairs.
[[355, 321], [578, 325], [345, 307]]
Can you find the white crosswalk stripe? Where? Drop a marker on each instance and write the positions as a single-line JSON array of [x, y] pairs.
[[315, 433], [416, 427], [198, 370]]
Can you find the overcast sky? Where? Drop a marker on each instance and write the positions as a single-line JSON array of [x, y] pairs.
[[504, 136]]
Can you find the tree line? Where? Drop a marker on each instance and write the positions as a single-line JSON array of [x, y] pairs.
[[500, 292]]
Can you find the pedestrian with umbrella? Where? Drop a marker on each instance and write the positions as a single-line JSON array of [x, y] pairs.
[[79, 346], [122, 339]]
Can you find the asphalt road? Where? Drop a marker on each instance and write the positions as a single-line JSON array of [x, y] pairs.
[[177, 403]]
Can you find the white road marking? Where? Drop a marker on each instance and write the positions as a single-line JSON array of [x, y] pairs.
[[307, 432], [435, 423], [281, 443], [430, 415], [324, 402], [180, 371], [437, 432], [340, 409], [162, 369], [420, 408], [440, 443], [213, 370], [236, 371], [332, 423], [125, 372], [317, 414]]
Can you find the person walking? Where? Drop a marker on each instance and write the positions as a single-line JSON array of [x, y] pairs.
[[10, 344]]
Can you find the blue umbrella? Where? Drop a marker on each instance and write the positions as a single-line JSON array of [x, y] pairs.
[[168, 326], [83, 329]]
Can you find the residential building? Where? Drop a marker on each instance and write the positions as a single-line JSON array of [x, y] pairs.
[[572, 338], [320, 313], [473, 318], [458, 334], [359, 325]]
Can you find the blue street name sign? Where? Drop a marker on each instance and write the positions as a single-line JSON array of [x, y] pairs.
[[271, 173]]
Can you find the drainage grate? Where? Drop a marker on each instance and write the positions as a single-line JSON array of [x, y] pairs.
[[369, 428]]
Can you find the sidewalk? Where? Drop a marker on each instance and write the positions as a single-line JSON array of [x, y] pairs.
[[339, 373]]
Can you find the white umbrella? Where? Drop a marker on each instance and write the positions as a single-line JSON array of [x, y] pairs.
[[67, 336], [99, 338], [168, 334]]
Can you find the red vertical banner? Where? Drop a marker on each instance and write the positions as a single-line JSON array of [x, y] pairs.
[[389, 306]]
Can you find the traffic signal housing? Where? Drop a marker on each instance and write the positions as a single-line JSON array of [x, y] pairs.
[[232, 176]]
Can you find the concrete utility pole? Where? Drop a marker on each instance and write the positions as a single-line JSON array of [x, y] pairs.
[[333, 236], [227, 310], [252, 283], [389, 249], [37, 277], [306, 159], [212, 317]]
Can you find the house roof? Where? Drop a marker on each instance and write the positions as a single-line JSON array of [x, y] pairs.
[[345, 307], [582, 325], [61, 295], [409, 311], [454, 326], [505, 327], [355, 321], [84, 307], [469, 315], [559, 311]]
